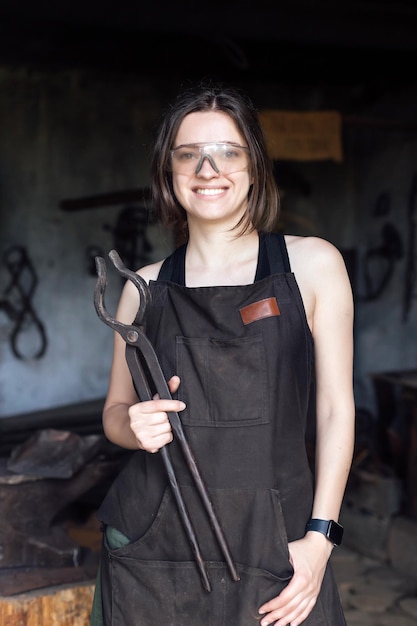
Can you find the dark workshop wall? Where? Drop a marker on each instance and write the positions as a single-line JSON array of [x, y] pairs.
[[64, 135], [73, 133]]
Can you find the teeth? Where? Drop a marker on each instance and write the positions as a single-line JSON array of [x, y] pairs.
[[209, 192]]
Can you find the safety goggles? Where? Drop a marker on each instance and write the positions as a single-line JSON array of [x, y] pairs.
[[224, 157]]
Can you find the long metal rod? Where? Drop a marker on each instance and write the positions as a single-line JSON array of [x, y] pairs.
[[144, 393], [163, 391]]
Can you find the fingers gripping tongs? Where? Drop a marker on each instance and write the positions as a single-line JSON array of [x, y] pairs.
[[148, 378]]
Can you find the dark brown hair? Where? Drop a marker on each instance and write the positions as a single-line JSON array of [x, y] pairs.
[[263, 201]]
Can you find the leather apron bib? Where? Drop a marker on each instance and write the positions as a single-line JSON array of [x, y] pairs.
[[245, 358]]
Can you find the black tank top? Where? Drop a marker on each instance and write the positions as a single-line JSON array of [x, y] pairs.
[[272, 259]]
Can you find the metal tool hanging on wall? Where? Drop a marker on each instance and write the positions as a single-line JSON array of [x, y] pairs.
[[380, 260], [129, 231], [387, 253], [16, 302], [130, 236]]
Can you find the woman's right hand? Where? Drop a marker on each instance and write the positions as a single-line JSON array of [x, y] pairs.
[[149, 420]]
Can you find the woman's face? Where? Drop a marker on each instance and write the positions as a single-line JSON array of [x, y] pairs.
[[211, 182]]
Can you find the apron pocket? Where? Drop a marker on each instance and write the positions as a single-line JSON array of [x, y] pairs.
[[155, 580], [251, 519], [147, 593], [226, 381]]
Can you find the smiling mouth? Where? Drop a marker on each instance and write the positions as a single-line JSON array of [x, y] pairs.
[[209, 192]]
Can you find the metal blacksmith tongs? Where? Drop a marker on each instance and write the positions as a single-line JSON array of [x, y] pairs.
[[139, 352]]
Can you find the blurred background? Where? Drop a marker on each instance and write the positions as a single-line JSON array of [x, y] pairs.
[[82, 87]]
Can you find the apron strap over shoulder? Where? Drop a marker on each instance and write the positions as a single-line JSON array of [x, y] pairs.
[[277, 253], [173, 268], [273, 255]]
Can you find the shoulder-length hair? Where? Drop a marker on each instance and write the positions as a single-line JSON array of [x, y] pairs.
[[263, 200]]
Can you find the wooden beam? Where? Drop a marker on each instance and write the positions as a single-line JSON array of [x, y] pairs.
[[143, 196]]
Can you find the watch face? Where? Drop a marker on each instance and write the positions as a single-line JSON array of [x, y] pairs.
[[335, 533]]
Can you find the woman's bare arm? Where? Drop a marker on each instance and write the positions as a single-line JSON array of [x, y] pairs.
[[327, 295]]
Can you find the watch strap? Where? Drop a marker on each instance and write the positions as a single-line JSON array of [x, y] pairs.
[[329, 528]]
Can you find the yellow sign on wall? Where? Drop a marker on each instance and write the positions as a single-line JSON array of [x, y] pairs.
[[303, 136]]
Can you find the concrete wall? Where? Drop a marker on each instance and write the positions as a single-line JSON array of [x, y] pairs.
[[386, 333], [72, 133], [65, 135]]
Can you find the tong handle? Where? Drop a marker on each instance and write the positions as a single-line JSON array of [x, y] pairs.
[[161, 387], [144, 393]]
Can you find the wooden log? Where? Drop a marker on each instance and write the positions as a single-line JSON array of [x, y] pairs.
[[75, 415], [59, 606]]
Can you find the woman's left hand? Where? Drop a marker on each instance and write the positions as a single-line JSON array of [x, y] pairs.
[[309, 558]]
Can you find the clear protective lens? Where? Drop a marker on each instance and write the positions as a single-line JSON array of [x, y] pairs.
[[224, 157]]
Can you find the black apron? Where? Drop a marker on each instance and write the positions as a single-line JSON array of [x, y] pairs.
[[245, 358]]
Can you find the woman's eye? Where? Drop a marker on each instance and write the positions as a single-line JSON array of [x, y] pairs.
[[186, 156]]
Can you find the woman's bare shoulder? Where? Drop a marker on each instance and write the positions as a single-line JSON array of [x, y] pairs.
[[150, 272], [312, 253], [322, 277], [129, 300]]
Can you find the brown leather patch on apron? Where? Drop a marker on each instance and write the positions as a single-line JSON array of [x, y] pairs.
[[259, 310]]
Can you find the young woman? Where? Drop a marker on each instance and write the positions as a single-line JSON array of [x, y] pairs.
[[254, 334]]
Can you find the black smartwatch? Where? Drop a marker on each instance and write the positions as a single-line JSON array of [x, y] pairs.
[[330, 529]]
